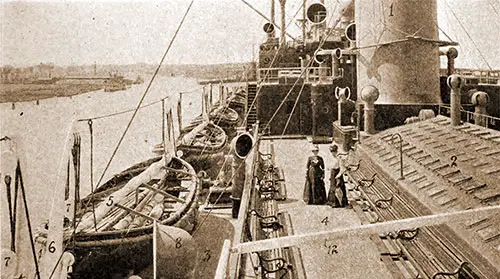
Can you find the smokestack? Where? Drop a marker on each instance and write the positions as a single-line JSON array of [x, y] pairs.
[[283, 21], [405, 72], [455, 83]]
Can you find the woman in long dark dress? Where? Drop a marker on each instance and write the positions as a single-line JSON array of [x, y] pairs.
[[314, 190], [337, 183]]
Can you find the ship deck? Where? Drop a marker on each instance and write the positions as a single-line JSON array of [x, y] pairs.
[[353, 257]]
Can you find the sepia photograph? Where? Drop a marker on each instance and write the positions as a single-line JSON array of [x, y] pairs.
[[243, 139]]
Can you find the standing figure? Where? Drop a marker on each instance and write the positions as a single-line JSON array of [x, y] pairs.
[[337, 195], [314, 191]]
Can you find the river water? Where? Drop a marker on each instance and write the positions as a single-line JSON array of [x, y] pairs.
[[39, 132]]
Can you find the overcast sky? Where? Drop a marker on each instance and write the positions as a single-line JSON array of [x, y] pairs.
[[216, 31]]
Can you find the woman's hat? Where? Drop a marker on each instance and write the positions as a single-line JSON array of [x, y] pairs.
[[333, 148], [314, 148]]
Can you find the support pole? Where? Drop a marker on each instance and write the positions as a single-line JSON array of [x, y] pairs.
[[163, 124], [273, 20], [304, 20], [155, 247], [179, 111], [396, 135], [283, 22]]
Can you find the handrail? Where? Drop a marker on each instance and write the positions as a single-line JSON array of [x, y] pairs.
[[483, 75], [220, 272], [269, 75], [472, 115]]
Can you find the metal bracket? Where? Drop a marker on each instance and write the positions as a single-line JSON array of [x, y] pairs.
[[399, 254], [268, 222], [457, 271], [267, 187], [353, 167], [407, 234], [384, 203], [403, 234], [281, 265], [365, 183]]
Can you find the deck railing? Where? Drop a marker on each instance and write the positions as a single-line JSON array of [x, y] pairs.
[[482, 76], [471, 117], [274, 75]]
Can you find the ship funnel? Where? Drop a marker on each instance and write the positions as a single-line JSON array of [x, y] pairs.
[[316, 13], [269, 28], [242, 145]]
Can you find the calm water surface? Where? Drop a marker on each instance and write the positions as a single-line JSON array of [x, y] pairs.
[[39, 132]]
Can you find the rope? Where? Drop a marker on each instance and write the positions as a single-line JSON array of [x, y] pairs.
[[494, 8], [7, 180], [132, 109], [28, 220], [293, 109], [253, 103], [468, 35], [301, 74], [444, 32], [216, 201], [292, 19], [145, 93], [132, 118], [120, 112], [266, 18]]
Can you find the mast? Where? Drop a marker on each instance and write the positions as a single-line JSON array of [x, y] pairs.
[[304, 8], [273, 19], [283, 21]]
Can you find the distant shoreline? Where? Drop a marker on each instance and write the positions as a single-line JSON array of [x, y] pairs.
[[13, 93]]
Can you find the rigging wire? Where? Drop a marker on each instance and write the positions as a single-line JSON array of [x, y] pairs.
[[442, 31], [329, 31], [494, 9], [267, 72], [131, 119], [145, 93], [322, 42], [266, 18], [244, 121], [468, 35], [454, 30]]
